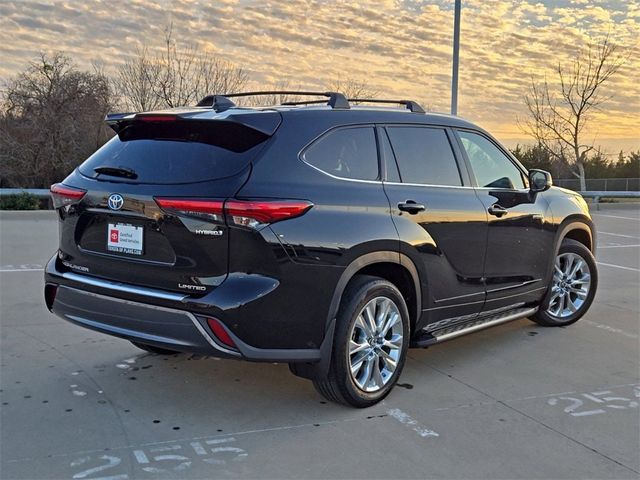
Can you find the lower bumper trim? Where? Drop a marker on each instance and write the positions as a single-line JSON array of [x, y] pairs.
[[171, 328]]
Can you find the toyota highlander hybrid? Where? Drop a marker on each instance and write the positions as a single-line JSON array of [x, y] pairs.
[[320, 233]]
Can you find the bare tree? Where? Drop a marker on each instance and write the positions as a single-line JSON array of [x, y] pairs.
[[273, 98], [51, 119], [353, 88], [137, 81], [559, 115], [178, 76]]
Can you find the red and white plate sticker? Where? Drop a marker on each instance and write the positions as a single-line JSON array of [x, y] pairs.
[[123, 238]]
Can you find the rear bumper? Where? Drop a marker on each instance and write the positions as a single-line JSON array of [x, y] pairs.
[[152, 317], [160, 326]]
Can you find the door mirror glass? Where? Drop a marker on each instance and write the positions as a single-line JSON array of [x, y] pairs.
[[539, 180]]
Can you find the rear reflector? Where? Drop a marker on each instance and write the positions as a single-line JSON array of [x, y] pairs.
[[61, 195], [220, 332], [50, 291]]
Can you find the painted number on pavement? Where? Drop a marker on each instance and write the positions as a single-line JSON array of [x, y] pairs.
[[596, 403], [160, 459]]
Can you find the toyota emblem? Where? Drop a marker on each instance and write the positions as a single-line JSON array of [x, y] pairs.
[[115, 201]]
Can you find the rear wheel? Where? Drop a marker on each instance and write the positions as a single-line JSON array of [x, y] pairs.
[[370, 344], [573, 287], [152, 349]]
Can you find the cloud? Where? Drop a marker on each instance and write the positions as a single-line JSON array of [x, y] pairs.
[[402, 48]]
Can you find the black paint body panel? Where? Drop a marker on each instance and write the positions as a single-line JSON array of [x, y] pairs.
[[278, 287]]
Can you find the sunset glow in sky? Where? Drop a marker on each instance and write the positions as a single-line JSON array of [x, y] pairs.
[[401, 48]]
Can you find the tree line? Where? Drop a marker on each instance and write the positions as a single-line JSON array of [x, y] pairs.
[[52, 113], [595, 165]]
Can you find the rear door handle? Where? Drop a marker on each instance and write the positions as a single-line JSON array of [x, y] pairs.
[[411, 207], [497, 210]]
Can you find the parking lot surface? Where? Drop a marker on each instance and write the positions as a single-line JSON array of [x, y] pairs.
[[514, 401]]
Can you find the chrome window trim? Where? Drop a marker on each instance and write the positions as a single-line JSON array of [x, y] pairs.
[[340, 178], [428, 185]]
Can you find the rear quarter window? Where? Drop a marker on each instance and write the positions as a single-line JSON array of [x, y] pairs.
[[346, 153]]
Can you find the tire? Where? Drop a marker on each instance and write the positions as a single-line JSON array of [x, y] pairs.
[[574, 270], [152, 349], [377, 353]]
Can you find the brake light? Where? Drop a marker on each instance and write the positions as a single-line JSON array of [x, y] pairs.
[[253, 213], [155, 118], [61, 195], [245, 213], [220, 332], [208, 209]]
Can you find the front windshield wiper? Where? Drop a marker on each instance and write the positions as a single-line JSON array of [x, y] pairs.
[[116, 171]]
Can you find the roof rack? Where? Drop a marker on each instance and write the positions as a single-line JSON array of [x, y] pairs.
[[221, 103], [410, 104]]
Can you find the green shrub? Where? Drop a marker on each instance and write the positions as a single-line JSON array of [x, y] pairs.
[[20, 201]]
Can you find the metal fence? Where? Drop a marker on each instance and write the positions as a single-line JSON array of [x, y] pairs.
[[601, 184]]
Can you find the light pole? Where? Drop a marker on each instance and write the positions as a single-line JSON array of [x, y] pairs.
[[456, 58]]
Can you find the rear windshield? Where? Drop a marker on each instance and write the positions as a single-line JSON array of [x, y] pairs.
[[177, 152]]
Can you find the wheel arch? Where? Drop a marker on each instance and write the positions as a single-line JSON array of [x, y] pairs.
[[394, 267], [374, 263], [576, 227]]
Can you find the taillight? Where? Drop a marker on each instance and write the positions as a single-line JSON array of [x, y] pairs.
[[220, 332], [244, 213], [63, 195], [253, 213], [211, 210]]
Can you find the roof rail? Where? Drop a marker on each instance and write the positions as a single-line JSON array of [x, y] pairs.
[[222, 102], [410, 104]]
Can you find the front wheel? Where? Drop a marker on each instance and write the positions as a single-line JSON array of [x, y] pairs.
[[573, 287], [370, 344]]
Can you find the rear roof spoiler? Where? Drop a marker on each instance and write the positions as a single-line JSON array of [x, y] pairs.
[[265, 122]]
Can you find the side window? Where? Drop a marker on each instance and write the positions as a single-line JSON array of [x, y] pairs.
[[347, 153], [424, 156], [491, 167]]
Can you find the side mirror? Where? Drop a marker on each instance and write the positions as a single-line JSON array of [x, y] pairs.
[[539, 180]]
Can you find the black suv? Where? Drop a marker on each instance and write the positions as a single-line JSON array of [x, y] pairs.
[[323, 234]]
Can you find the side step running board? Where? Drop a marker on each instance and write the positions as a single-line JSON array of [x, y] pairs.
[[426, 338]]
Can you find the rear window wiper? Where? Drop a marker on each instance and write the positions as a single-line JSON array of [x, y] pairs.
[[116, 171]]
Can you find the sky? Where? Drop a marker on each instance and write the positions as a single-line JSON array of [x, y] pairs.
[[400, 48]]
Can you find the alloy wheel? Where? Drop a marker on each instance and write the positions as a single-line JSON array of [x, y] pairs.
[[375, 344], [570, 286]]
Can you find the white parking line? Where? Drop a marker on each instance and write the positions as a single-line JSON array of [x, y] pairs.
[[618, 266], [22, 267], [618, 246], [609, 329], [8, 270], [615, 216], [617, 235], [405, 419]]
